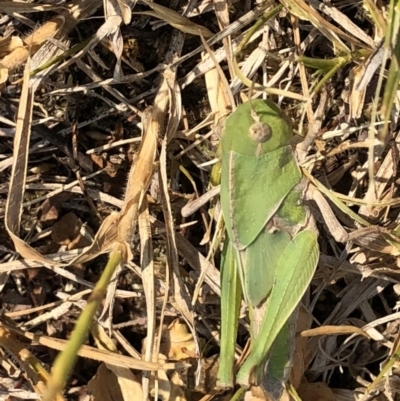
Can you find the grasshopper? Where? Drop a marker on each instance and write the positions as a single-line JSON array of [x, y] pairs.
[[271, 249]]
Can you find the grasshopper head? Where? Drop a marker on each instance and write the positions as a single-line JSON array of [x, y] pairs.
[[257, 128]]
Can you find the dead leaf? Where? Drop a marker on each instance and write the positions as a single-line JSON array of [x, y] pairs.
[[208, 375], [128, 384], [66, 19], [315, 392], [7, 45], [109, 385], [163, 386], [334, 330], [177, 342], [177, 388], [67, 231], [51, 207]]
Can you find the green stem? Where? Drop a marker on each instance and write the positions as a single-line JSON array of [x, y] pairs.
[[66, 360], [239, 395]]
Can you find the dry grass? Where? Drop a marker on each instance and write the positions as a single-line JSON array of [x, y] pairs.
[[110, 89]]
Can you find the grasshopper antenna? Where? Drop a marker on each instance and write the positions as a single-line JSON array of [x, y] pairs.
[[254, 115]]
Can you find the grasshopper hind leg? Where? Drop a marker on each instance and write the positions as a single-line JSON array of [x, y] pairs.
[[294, 273], [230, 307]]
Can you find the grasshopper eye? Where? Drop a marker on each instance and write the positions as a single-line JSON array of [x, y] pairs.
[[260, 132]]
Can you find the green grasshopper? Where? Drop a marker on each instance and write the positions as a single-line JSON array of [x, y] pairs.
[[271, 250]]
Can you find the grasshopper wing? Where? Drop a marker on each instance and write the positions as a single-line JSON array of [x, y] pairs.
[[252, 190]]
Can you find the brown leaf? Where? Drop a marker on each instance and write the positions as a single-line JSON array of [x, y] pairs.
[[67, 232], [177, 342], [7, 45], [177, 388], [109, 385], [51, 207], [316, 392], [208, 375]]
